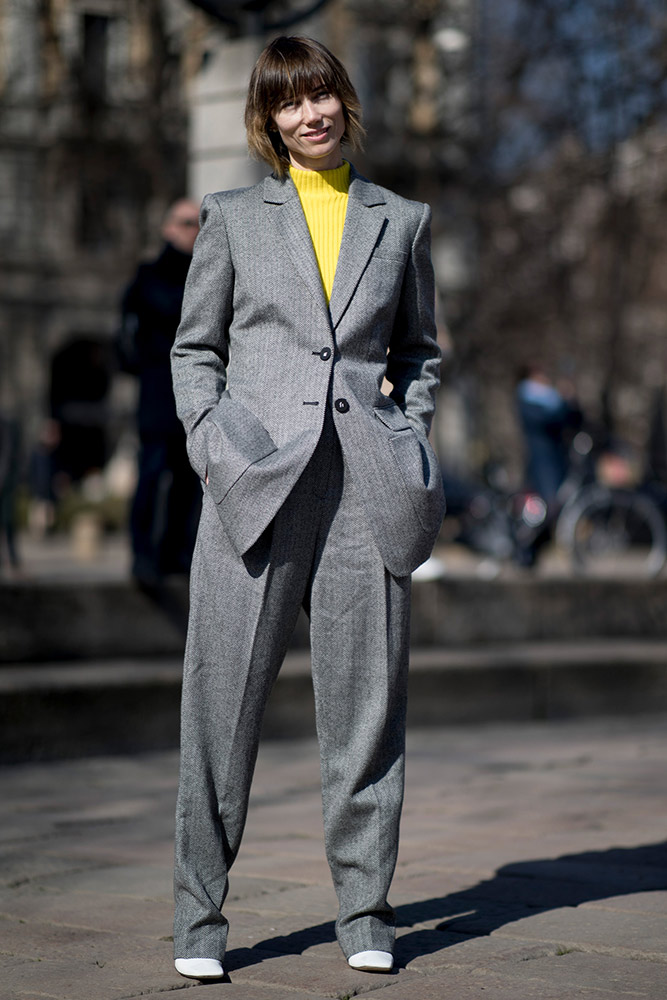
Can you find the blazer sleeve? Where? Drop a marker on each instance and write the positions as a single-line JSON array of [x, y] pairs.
[[200, 353], [413, 361]]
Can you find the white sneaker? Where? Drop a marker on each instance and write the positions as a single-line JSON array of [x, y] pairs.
[[372, 961], [199, 968]]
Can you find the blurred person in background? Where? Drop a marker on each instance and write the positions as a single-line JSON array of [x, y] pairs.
[[549, 416], [321, 492], [9, 476], [167, 501], [42, 479], [80, 383]]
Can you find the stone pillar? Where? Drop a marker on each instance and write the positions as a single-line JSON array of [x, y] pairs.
[[217, 156]]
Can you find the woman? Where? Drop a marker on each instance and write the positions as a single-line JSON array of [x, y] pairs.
[[320, 491]]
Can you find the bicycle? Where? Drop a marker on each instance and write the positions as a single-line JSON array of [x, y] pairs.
[[606, 527]]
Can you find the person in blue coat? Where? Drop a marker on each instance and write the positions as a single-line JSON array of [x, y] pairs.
[[548, 417]]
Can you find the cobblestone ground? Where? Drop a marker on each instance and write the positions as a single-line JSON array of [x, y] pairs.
[[533, 864]]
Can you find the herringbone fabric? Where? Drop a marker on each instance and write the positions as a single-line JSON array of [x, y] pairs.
[[320, 553], [258, 352]]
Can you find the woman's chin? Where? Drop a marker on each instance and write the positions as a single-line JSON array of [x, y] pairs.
[[318, 158]]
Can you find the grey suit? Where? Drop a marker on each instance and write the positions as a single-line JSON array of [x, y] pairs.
[[322, 492]]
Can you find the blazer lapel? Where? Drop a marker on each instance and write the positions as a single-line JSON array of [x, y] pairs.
[[291, 223], [360, 234]]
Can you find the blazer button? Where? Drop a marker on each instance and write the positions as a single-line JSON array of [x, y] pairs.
[[342, 405], [325, 353]]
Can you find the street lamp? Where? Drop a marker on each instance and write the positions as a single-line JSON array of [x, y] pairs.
[[249, 17]]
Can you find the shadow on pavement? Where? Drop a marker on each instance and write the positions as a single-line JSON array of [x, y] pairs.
[[517, 890]]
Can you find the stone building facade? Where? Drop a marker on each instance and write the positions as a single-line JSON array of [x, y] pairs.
[[92, 149]]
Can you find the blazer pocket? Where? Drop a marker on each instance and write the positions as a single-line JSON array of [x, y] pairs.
[[391, 254], [236, 441], [392, 416], [391, 264], [416, 462]]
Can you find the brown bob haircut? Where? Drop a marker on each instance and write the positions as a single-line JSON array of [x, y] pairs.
[[291, 66]]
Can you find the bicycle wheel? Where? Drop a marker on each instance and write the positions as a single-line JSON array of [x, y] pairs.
[[613, 532]]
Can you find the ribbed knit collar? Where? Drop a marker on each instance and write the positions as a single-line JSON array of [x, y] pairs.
[[322, 181]]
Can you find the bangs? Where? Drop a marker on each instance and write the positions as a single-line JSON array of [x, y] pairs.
[[293, 69]]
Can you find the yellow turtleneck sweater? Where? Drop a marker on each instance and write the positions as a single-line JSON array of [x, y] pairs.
[[323, 195]]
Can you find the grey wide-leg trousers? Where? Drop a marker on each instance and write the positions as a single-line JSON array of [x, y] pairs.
[[319, 553]]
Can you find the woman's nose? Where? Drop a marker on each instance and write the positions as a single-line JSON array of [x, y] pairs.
[[310, 111]]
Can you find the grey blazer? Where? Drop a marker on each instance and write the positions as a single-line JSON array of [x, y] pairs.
[[259, 356]]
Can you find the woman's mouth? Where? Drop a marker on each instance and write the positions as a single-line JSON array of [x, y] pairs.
[[316, 134]]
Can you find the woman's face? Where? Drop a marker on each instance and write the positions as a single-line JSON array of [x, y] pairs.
[[312, 126]]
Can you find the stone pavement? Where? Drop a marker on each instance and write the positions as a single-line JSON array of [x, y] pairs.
[[533, 864]]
